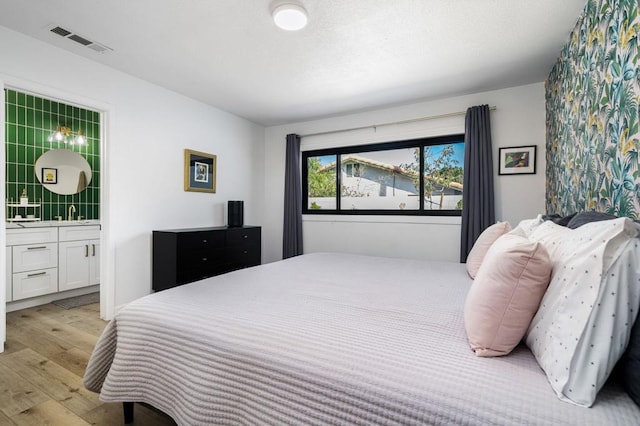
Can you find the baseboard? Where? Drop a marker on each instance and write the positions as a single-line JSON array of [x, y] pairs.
[[48, 298]]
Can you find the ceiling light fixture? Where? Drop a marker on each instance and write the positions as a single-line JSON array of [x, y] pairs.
[[66, 135], [290, 17]]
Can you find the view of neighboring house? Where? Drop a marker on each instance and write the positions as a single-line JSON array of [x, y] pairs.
[[370, 184]]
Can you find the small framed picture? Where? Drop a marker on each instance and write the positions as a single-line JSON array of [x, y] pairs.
[[199, 171], [49, 175], [518, 160]]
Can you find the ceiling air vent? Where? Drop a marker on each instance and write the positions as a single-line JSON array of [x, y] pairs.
[[83, 41], [97, 47], [60, 31]]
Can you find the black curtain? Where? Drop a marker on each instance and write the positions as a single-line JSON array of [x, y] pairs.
[[292, 232], [478, 209]]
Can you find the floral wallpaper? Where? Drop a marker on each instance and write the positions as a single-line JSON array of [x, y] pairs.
[[592, 97]]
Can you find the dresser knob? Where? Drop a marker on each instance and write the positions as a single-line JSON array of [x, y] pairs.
[[246, 236], [204, 241], [204, 259], [245, 252]]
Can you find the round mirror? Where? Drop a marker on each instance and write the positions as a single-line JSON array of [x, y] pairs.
[[63, 172]]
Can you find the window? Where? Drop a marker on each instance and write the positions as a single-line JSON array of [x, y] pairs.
[[386, 178], [320, 186]]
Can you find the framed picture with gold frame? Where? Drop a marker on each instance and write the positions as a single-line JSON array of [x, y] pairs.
[[199, 171]]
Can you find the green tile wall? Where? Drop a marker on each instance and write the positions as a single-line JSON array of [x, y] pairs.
[[29, 122]]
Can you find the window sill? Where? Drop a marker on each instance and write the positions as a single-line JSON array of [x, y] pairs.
[[436, 220]]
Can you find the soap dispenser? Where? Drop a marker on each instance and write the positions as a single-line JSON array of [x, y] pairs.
[[24, 200]]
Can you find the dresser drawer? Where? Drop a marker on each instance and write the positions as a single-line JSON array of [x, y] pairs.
[[243, 257], [243, 236], [34, 256], [199, 258], [185, 276], [200, 241]]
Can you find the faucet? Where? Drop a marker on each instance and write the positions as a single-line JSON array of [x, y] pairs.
[[71, 207]]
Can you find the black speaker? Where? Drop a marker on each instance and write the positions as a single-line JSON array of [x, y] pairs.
[[235, 214]]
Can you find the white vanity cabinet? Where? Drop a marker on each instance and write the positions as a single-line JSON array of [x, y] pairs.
[[79, 256], [44, 259], [94, 264], [8, 275], [33, 260]]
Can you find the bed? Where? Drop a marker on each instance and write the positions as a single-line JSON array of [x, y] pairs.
[[327, 338]]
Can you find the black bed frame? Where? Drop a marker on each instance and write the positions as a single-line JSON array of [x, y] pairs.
[[127, 409]]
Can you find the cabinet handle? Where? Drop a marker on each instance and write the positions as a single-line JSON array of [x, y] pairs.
[[37, 248], [246, 236], [204, 259], [93, 249], [36, 274], [245, 252], [204, 241], [86, 250]]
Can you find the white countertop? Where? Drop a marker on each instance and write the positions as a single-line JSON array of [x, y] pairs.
[[49, 223]]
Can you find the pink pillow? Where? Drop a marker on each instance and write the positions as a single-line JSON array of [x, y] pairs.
[[506, 294], [482, 244]]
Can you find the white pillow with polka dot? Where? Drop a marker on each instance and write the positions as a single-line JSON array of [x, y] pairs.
[[527, 226], [583, 324]]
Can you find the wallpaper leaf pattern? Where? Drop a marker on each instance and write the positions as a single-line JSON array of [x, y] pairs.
[[592, 97]]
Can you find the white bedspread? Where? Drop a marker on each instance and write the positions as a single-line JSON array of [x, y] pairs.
[[326, 339]]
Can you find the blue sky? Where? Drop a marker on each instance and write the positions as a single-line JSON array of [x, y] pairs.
[[399, 156]]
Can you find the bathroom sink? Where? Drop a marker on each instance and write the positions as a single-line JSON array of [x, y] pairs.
[[75, 222], [46, 223]]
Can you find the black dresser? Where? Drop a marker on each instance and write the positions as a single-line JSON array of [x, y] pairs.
[[181, 256]]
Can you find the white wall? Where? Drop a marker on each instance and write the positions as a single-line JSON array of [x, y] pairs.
[[149, 127], [147, 130], [518, 120]]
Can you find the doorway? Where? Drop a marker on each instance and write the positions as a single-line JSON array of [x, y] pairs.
[[31, 114]]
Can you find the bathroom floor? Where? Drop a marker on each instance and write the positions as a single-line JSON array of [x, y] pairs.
[[41, 370]]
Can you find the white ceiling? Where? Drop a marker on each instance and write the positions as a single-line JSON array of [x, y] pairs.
[[354, 55]]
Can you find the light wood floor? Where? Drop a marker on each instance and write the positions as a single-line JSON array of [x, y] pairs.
[[41, 371]]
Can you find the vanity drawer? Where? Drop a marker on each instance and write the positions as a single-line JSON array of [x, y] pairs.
[[34, 283], [17, 237], [8, 275], [75, 233], [34, 256]]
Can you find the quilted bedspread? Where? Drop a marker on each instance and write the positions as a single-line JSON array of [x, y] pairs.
[[327, 339]]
